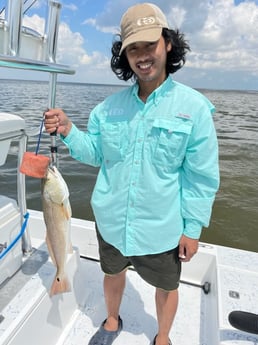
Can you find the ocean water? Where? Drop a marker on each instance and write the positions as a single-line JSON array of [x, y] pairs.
[[234, 220]]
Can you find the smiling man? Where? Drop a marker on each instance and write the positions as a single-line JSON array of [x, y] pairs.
[[156, 146]]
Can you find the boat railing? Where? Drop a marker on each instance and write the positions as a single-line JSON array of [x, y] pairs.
[[24, 48]]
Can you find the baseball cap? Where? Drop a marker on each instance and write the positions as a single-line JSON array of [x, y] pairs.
[[142, 23]]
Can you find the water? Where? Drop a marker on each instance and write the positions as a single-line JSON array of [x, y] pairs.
[[234, 220]]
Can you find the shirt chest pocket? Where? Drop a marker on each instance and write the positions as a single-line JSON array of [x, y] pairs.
[[114, 140], [170, 141]]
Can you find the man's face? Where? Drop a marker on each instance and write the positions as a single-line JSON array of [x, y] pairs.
[[148, 59]]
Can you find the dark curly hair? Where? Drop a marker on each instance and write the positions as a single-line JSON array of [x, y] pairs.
[[175, 57]]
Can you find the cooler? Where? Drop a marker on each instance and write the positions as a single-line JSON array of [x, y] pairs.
[[10, 226]]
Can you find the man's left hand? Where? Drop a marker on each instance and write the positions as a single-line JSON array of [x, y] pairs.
[[187, 248]]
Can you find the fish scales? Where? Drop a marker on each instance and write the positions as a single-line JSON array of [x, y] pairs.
[[57, 216]]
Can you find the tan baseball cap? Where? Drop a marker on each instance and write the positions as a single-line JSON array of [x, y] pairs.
[[142, 23]]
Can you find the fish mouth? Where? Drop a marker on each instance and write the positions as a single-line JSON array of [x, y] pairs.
[[52, 171]]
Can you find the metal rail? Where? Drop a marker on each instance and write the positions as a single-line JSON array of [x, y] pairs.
[[40, 66]]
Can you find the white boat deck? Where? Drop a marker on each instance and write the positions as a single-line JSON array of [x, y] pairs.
[[72, 318], [137, 312]]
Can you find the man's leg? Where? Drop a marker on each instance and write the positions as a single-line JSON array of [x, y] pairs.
[[113, 290], [166, 306]]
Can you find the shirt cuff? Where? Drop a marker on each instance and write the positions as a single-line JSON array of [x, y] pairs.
[[192, 229], [70, 135]]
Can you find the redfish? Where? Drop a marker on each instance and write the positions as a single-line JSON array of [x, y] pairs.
[[57, 216]]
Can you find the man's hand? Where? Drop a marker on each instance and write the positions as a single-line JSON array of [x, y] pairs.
[[57, 120], [187, 248]]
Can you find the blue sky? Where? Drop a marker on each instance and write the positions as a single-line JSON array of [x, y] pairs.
[[223, 35]]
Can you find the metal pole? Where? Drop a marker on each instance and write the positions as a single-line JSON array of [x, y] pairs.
[[15, 9], [51, 30], [21, 195]]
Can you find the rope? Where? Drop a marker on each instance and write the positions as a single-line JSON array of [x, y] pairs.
[[12, 244]]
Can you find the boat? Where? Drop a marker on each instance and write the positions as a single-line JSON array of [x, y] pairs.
[[217, 281]]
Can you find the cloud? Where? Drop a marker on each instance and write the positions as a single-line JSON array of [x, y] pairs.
[[71, 7], [222, 36], [228, 38], [35, 23], [105, 29]]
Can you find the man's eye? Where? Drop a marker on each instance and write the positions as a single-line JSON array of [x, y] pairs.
[[131, 50]]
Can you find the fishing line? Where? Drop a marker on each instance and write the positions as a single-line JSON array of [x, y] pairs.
[[40, 133]]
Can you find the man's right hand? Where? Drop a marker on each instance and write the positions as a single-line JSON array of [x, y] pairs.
[[57, 120]]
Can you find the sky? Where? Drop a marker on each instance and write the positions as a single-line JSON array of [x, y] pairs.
[[222, 34]]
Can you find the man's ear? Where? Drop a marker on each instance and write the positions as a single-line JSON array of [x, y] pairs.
[[169, 47]]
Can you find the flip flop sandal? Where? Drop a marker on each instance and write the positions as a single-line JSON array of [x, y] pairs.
[[154, 341], [104, 337]]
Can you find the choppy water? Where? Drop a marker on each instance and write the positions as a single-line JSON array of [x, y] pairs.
[[235, 214]]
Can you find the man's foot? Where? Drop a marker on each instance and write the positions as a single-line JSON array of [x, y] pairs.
[[104, 337], [154, 341]]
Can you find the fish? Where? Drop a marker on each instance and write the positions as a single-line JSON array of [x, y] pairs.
[[57, 217]]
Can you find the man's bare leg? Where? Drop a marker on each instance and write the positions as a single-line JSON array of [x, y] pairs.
[[166, 306], [113, 290]]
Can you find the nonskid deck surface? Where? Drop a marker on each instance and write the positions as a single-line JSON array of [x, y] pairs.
[[137, 311], [139, 316], [30, 266], [85, 309]]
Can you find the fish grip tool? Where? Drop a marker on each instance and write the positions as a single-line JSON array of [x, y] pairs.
[[34, 164], [53, 148]]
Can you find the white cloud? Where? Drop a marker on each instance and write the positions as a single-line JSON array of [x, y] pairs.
[[71, 7], [222, 36], [35, 23], [106, 29], [228, 39]]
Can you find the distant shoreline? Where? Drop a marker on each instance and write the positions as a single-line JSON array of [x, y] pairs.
[[119, 85]]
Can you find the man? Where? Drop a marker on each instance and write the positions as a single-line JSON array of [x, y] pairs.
[[156, 147]]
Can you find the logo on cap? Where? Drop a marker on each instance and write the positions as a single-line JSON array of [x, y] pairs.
[[146, 21]]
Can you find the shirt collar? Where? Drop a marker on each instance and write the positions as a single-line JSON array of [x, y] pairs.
[[155, 96]]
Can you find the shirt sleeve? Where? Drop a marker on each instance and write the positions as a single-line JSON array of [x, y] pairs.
[[200, 175], [85, 146]]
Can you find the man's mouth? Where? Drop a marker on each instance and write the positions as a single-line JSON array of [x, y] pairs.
[[144, 66]]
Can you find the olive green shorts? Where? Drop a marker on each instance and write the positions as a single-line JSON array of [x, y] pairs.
[[160, 270]]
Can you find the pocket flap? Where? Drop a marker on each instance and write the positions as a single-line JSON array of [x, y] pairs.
[[175, 125]]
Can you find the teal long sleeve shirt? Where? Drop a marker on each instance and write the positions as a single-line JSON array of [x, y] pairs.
[[158, 164]]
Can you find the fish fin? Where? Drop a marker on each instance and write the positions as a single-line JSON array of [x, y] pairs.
[[67, 209], [50, 250], [60, 285]]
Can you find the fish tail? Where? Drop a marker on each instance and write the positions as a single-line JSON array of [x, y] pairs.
[[60, 285]]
